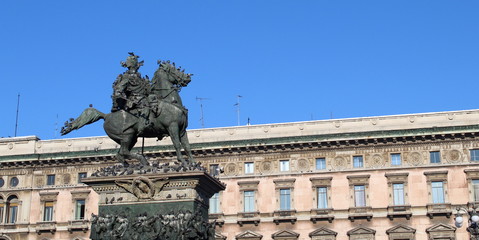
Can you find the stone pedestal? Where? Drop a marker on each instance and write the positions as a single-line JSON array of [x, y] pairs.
[[172, 205]]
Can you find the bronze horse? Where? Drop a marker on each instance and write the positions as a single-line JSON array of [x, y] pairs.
[[169, 118]]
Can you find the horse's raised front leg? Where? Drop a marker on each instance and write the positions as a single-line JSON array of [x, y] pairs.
[[175, 138], [186, 145]]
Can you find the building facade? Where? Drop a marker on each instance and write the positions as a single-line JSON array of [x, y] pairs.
[[388, 177]]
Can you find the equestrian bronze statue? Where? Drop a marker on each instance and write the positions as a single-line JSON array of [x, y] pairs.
[[143, 108]]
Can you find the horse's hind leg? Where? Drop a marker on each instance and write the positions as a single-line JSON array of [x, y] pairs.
[[123, 153], [175, 138], [125, 150], [186, 145]]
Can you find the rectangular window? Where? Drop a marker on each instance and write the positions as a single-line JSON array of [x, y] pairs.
[[322, 197], [214, 169], [396, 159], [249, 168], [360, 196], [437, 192], [50, 180], [48, 212], [81, 176], [215, 203], [475, 155], [80, 209], [358, 162], [475, 189], [320, 163], [435, 157], [285, 199], [284, 165], [249, 201], [398, 193]]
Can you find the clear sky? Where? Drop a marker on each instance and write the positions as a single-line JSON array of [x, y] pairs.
[[290, 60]]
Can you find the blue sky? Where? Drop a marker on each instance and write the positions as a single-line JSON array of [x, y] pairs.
[[290, 60]]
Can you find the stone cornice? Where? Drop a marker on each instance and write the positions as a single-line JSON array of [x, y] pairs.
[[324, 141]]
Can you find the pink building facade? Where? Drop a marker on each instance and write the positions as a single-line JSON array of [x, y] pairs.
[[387, 177]]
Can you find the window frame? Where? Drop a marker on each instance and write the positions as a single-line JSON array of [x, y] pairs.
[[12, 208], [360, 163], [358, 180], [249, 168], [249, 201], [437, 159], [437, 176], [397, 178], [215, 202], [285, 199], [80, 176], [214, 169], [48, 209], [283, 166], [474, 155], [245, 186], [321, 166], [51, 180], [398, 194], [282, 184], [396, 159], [322, 197], [321, 182], [82, 211]]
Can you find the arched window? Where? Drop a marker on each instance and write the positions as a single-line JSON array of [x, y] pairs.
[[12, 209], [2, 209]]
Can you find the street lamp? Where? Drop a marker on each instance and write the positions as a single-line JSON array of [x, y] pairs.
[[473, 221]]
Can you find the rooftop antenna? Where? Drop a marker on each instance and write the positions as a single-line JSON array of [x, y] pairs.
[[16, 120], [56, 128], [238, 107], [202, 118]]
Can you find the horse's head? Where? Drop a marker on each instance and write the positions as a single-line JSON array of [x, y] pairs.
[[175, 75]]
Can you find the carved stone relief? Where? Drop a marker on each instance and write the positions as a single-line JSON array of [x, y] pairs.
[[66, 178], [415, 159], [303, 165], [266, 167], [454, 156], [339, 163], [39, 181], [231, 169], [376, 161]]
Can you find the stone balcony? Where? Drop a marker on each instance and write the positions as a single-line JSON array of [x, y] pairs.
[[248, 218], [360, 213], [217, 218], [322, 214], [50, 226], [284, 216], [439, 209], [395, 211], [78, 225]]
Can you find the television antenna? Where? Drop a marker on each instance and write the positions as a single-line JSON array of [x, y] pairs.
[[238, 107], [202, 117], [16, 119]]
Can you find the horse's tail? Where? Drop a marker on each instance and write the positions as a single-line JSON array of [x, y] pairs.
[[90, 115]]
